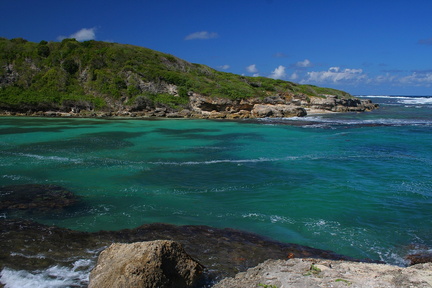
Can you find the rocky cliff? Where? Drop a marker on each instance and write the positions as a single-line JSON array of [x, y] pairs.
[[280, 105]]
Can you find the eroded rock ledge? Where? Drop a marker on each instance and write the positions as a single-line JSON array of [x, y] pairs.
[[305, 273], [204, 107]]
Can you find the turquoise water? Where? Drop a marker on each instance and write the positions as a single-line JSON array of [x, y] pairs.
[[357, 184]]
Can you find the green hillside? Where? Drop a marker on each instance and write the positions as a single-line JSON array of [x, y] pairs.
[[105, 76]]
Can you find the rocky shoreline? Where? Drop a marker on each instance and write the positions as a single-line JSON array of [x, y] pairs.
[[306, 272], [221, 253], [165, 264], [230, 258], [203, 107], [30, 246]]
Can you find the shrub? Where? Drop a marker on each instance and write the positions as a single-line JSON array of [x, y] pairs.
[[70, 66], [43, 51]]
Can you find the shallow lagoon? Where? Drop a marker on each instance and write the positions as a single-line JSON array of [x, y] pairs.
[[357, 184]]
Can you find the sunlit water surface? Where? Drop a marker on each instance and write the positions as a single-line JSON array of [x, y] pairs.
[[357, 184]]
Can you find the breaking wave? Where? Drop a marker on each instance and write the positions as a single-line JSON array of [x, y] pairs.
[[319, 121], [407, 100], [55, 276]]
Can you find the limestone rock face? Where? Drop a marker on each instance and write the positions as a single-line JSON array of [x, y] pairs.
[[278, 110], [209, 107], [305, 273], [154, 264], [336, 104]]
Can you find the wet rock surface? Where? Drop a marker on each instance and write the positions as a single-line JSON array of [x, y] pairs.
[[421, 257], [35, 196]]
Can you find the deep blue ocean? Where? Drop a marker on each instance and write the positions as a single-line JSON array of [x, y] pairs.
[[358, 184]]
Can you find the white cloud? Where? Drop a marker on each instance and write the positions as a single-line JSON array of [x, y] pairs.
[[85, 34], [202, 35], [224, 67], [82, 35], [278, 73], [347, 76], [294, 76], [252, 68], [417, 79], [335, 75], [256, 75], [304, 64], [387, 78]]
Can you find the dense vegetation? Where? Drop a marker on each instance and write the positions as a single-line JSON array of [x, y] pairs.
[[104, 76]]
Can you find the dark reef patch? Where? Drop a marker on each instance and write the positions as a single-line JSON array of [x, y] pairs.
[[35, 196]]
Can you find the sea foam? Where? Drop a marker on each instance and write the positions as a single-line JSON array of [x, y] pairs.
[[410, 100], [55, 276]]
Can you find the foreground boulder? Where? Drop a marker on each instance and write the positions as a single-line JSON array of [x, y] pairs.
[[155, 264], [303, 273]]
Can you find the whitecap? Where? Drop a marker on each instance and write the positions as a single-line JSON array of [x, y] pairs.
[[52, 158], [38, 256], [281, 219], [54, 276], [234, 161], [15, 177], [416, 101], [321, 122], [268, 218], [383, 96], [388, 256]]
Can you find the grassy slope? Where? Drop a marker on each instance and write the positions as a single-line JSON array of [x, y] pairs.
[[104, 76]]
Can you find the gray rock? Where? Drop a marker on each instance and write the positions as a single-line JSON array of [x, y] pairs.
[[305, 273]]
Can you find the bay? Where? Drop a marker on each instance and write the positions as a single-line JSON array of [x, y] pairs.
[[356, 184]]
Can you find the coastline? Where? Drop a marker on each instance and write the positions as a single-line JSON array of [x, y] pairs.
[[203, 107], [144, 116], [224, 252], [233, 258]]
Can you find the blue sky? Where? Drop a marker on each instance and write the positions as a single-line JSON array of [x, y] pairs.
[[380, 47]]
